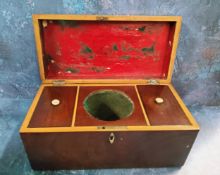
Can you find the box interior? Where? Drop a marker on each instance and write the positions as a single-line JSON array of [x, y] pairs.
[[109, 107], [122, 108], [106, 49], [81, 49]]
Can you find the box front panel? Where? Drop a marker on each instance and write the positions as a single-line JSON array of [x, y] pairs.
[[95, 150]]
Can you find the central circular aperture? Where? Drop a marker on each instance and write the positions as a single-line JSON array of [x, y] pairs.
[[108, 105]]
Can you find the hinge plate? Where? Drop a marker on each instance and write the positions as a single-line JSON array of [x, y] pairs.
[[102, 18], [153, 82], [58, 82]]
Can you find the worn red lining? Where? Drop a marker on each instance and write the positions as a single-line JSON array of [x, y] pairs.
[[106, 50]]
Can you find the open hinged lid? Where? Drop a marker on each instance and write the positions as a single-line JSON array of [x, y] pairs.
[[119, 49]]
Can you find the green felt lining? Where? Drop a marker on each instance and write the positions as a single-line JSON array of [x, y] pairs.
[[108, 105]]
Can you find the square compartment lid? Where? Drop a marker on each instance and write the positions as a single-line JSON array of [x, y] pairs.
[[89, 48]]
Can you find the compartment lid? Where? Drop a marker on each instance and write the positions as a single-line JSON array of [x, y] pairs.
[[119, 49]]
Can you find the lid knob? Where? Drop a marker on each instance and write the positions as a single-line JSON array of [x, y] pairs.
[[55, 102], [159, 100]]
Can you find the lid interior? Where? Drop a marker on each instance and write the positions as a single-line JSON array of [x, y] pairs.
[[74, 49]]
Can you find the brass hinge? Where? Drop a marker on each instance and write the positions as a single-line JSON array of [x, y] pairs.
[[153, 82], [58, 82], [102, 18]]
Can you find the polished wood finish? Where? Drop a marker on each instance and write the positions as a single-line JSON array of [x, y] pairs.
[[156, 136], [80, 150], [167, 113], [47, 115], [84, 119], [25, 129]]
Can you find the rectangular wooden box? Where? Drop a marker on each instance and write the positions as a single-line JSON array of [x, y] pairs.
[[106, 72]]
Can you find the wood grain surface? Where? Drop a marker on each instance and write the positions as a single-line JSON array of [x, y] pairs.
[[80, 150], [167, 113], [47, 115]]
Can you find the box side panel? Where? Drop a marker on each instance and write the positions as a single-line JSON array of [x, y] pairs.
[[107, 150]]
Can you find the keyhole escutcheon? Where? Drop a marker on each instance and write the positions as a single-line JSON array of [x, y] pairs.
[[111, 138]]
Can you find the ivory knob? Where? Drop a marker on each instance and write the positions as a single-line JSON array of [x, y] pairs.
[[55, 102], [159, 100]]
